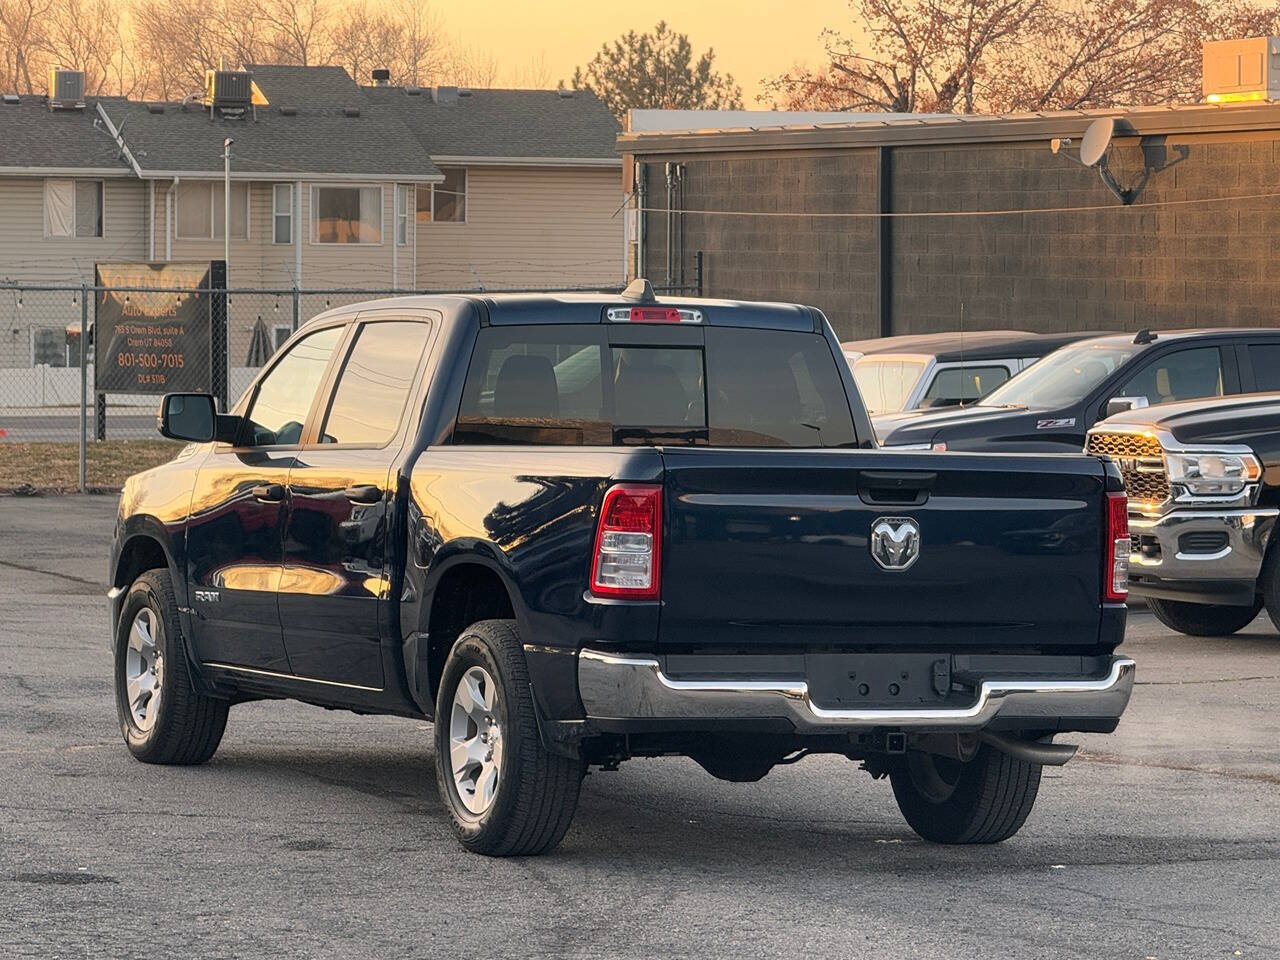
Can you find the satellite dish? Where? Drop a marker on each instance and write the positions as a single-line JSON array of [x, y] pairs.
[[1096, 140]]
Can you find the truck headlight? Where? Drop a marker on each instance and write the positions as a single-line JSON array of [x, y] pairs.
[[1213, 474]]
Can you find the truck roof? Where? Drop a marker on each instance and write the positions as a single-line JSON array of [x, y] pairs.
[[535, 308], [977, 345]]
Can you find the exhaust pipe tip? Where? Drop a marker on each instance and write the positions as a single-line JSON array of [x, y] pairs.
[[1030, 751]]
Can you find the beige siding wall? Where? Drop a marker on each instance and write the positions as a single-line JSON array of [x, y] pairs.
[[527, 226], [27, 256]]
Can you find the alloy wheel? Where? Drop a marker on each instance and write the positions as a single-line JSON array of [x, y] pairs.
[[144, 669], [475, 740]]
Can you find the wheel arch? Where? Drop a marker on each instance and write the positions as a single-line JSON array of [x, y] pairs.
[[466, 587]]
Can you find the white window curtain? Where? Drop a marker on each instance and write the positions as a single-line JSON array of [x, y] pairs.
[[59, 208]]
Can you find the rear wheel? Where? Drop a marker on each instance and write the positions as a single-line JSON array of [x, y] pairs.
[[507, 795], [984, 800], [1203, 619], [162, 717]]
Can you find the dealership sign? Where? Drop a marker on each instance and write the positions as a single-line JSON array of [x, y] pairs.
[[153, 328]]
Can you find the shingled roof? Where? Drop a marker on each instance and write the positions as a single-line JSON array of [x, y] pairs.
[[506, 124], [34, 138], [319, 123]]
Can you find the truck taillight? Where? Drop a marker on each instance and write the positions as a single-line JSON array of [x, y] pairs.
[[1115, 574], [628, 543]]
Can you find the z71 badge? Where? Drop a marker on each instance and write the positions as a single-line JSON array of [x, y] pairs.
[[1055, 424]]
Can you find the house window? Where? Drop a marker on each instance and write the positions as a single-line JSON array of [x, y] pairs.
[[48, 346], [445, 202], [73, 208], [346, 214], [201, 211], [279, 334], [403, 205], [282, 213]]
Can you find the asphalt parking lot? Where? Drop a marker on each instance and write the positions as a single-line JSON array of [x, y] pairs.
[[319, 834]]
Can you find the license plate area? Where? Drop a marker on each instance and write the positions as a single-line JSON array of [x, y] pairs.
[[875, 680]]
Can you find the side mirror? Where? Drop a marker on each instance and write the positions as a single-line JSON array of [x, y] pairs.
[[1121, 404], [188, 416]]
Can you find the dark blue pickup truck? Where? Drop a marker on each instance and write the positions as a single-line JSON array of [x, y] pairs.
[[572, 530]]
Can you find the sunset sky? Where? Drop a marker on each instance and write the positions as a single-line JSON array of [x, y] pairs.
[[752, 38]]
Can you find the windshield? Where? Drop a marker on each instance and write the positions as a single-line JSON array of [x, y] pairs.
[[885, 384], [1064, 377]]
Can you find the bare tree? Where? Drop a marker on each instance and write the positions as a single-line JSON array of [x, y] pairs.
[[21, 23], [298, 31], [918, 55], [1007, 55]]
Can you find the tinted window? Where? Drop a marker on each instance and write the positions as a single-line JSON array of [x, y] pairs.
[[541, 385], [285, 394], [567, 385], [374, 385], [885, 384], [957, 385], [775, 388], [1184, 375], [1266, 365]]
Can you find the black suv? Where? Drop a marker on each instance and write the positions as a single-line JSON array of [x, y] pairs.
[[1050, 406]]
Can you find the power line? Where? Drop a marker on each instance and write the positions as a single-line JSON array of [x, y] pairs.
[[861, 215]]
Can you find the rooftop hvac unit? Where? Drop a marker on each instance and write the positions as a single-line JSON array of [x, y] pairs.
[[1242, 70], [66, 89], [228, 90]]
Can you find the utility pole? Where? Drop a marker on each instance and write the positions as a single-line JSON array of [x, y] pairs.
[[226, 249]]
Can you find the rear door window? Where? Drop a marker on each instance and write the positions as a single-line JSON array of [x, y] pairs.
[[1265, 358], [1181, 375], [375, 382], [565, 385], [885, 385]]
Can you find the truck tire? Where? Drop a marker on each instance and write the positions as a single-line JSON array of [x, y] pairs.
[[984, 800], [1269, 581], [162, 717], [1203, 619], [506, 794]]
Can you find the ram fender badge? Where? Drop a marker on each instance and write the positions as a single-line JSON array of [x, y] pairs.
[[895, 542], [208, 596]]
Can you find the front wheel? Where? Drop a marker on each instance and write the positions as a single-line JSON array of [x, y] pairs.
[[507, 795], [162, 717], [983, 800], [1203, 619]]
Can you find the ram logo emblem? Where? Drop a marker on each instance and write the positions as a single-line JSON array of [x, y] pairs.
[[895, 542]]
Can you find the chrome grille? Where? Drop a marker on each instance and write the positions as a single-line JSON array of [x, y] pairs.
[[1141, 463]]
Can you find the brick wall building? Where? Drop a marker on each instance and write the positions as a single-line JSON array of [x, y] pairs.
[[1161, 262]]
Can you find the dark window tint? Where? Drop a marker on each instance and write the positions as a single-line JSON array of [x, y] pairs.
[[375, 382], [957, 385], [1265, 358], [285, 394], [540, 385], [1184, 375], [774, 388], [658, 387], [566, 385]]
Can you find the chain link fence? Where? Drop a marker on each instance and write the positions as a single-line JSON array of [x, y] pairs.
[[82, 368]]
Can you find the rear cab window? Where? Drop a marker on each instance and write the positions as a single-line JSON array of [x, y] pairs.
[[588, 385]]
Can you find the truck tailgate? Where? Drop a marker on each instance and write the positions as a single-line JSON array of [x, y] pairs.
[[771, 548]]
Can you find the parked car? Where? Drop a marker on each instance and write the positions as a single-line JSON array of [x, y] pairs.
[[1051, 405], [572, 530], [943, 369], [1204, 492]]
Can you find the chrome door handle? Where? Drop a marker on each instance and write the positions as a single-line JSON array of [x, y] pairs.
[[364, 493], [268, 492]]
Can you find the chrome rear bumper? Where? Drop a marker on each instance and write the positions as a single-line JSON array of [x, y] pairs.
[[634, 687]]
